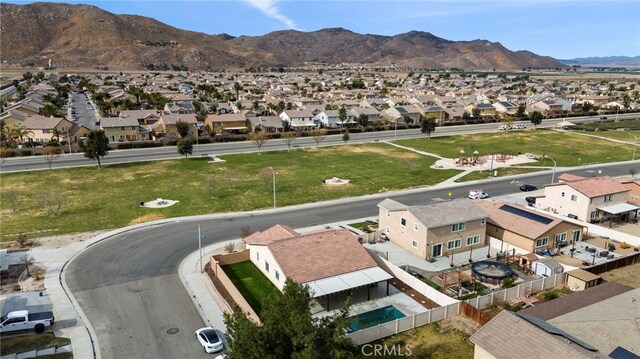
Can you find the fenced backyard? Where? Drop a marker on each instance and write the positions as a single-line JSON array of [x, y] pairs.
[[614, 264]]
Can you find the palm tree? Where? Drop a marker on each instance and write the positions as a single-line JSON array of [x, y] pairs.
[[20, 132], [237, 87]]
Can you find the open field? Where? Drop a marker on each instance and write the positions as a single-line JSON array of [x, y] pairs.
[[110, 197], [626, 136], [28, 342], [563, 147], [429, 341], [251, 283], [629, 276], [506, 171]]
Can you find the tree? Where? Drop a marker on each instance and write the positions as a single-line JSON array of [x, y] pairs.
[[212, 185], [466, 117], [182, 128], [95, 146], [20, 133], [28, 261], [363, 120], [476, 113], [259, 139], [266, 175], [50, 154], [536, 118], [4, 153], [12, 196], [288, 330], [288, 138], [318, 135], [237, 88], [346, 137], [632, 172], [51, 201], [185, 146], [587, 106], [428, 126], [342, 115], [521, 109]]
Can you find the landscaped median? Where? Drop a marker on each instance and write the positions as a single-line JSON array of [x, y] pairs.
[[31, 342]]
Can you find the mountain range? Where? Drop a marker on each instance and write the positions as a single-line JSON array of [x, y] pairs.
[[608, 61], [87, 36]]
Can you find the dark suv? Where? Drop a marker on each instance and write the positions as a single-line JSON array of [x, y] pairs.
[[528, 187]]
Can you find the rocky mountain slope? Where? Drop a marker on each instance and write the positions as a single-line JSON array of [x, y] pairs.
[[86, 36]]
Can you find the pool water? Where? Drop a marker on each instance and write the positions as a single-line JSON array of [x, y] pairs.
[[374, 317]]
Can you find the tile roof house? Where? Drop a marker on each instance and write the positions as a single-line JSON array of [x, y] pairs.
[[299, 119], [436, 229], [268, 124], [593, 199], [509, 335], [42, 128], [144, 117], [329, 261], [167, 125], [230, 123], [331, 118], [526, 228], [119, 129]]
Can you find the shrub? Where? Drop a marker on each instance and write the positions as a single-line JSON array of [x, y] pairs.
[[25, 153]]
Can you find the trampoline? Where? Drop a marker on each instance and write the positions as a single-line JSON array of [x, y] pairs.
[[490, 271]]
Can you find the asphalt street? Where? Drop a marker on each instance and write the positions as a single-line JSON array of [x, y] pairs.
[[162, 153], [81, 111], [129, 289]]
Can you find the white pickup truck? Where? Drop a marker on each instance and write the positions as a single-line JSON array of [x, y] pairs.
[[23, 320]]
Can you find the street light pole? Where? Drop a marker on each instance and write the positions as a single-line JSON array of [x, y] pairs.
[[553, 172], [633, 157], [273, 173], [197, 135], [395, 129]]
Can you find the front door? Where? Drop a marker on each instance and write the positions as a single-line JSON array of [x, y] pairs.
[[436, 250]]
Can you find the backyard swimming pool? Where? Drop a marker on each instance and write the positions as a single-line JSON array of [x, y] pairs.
[[374, 317]]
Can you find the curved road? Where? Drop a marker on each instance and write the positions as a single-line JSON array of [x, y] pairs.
[[129, 289], [162, 153]]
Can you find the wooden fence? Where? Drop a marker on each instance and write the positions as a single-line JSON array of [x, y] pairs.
[[474, 314], [614, 263]]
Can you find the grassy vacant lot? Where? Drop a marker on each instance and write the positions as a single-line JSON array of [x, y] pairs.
[[563, 147], [429, 342], [25, 343], [251, 283], [508, 171], [109, 197], [610, 125], [616, 135]]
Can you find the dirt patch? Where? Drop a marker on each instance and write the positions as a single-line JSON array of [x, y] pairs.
[[459, 323], [53, 242], [146, 218], [629, 275], [380, 151]]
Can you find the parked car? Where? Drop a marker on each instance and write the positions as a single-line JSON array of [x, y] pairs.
[[603, 117], [504, 128], [478, 194], [530, 200], [23, 320], [209, 339], [528, 187], [520, 126]]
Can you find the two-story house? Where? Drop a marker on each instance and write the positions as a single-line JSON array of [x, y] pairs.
[[166, 125], [299, 119], [119, 129], [436, 229], [44, 129], [229, 123], [372, 115], [594, 199], [403, 114], [486, 110], [505, 108], [331, 118]]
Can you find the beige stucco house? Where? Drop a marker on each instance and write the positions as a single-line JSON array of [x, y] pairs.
[[119, 129], [436, 229], [526, 228], [592, 199]]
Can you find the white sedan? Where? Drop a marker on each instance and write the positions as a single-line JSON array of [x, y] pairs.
[[209, 339]]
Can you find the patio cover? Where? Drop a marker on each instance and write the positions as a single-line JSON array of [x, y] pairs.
[[619, 208], [347, 281]]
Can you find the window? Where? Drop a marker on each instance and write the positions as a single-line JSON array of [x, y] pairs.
[[483, 221], [121, 128], [541, 242], [414, 243], [473, 240], [415, 226], [594, 214], [456, 243], [574, 198], [561, 238], [576, 235], [608, 198], [266, 266], [258, 256], [46, 131], [457, 227], [562, 194], [388, 214], [277, 275], [403, 222], [388, 229]]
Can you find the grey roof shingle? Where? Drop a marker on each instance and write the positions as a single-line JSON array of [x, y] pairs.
[[443, 213]]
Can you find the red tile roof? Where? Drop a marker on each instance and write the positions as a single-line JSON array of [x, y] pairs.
[[320, 255], [596, 186], [274, 233]]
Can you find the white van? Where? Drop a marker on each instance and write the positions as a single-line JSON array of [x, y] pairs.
[[478, 194]]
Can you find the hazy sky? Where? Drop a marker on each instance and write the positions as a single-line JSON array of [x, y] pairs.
[[562, 29]]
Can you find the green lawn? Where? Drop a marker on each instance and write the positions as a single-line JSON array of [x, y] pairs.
[[428, 342], [109, 197], [563, 147], [615, 134], [251, 283], [25, 343], [507, 171]]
